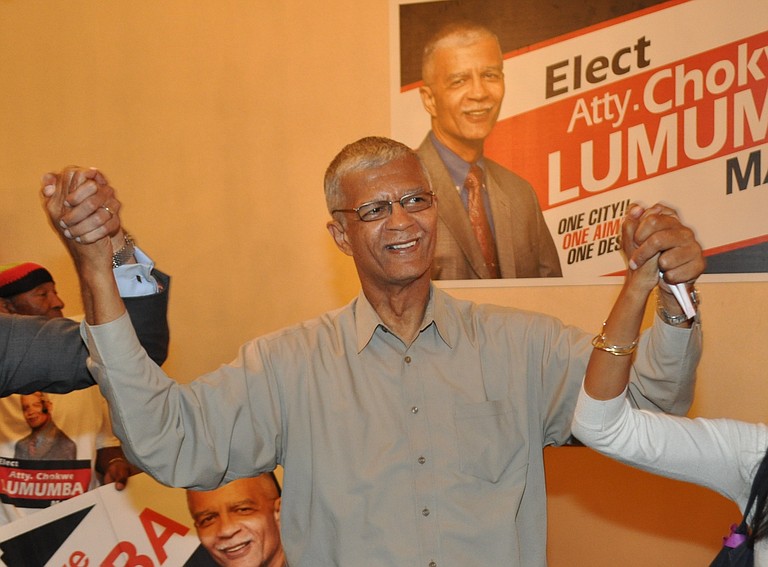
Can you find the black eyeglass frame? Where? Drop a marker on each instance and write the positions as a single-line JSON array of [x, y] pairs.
[[387, 206]]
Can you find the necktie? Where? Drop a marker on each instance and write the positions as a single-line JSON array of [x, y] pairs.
[[479, 218]]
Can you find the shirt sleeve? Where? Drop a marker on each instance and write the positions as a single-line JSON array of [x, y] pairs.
[[41, 354], [105, 438], [38, 354], [720, 454], [663, 375], [136, 280], [197, 435], [149, 315]]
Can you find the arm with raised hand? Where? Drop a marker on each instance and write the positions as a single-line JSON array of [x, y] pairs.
[[143, 288], [663, 373], [609, 365], [49, 355], [719, 454]]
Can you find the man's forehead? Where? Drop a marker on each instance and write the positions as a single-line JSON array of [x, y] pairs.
[[31, 398], [456, 47], [399, 176], [251, 489]]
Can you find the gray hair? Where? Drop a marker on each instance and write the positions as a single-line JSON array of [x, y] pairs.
[[366, 153], [461, 32]]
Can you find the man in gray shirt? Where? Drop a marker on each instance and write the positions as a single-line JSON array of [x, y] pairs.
[[410, 425]]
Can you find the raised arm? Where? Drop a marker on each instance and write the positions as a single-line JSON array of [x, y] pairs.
[[219, 427], [38, 354], [144, 289], [609, 365], [669, 352], [720, 454]]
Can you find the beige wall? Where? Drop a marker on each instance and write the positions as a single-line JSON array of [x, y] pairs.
[[215, 121]]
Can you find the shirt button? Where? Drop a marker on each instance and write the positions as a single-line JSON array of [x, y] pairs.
[[425, 512], [432, 564], [414, 409], [408, 359], [422, 460]]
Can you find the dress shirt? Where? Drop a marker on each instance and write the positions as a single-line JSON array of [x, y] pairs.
[[428, 454], [720, 454], [136, 280]]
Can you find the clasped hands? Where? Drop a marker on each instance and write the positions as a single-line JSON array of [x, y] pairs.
[[661, 250], [83, 209]]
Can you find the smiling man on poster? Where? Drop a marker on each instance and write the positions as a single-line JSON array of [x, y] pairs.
[[490, 223]]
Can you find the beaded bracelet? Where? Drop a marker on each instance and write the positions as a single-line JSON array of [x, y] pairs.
[[599, 343]]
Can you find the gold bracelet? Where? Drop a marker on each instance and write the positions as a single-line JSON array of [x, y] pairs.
[[616, 350], [114, 460]]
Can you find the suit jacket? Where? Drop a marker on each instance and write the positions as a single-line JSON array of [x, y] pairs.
[[39, 354], [523, 242]]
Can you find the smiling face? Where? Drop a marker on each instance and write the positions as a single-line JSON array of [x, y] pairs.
[[463, 90], [239, 523], [394, 251], [36, 410]]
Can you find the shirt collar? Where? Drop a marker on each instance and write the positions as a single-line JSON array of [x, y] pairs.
[[441, 316], [367, 320], [457, 167]]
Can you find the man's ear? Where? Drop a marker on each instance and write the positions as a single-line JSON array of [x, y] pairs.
[[276, 511], [339, 234], [428, 100], [6, 306]]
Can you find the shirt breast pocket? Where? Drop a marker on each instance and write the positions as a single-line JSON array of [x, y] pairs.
[[490, 440]]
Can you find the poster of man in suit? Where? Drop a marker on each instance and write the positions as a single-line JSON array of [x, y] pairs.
[[584, 108]]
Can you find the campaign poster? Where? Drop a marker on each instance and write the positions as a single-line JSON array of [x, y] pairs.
[[609, 103], [145, 525]]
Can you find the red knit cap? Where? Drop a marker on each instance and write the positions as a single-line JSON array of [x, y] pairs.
[[19, 278]]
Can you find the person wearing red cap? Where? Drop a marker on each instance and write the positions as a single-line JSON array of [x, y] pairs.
[[35, 337], [82, 419], [29, 289], [47, 354]]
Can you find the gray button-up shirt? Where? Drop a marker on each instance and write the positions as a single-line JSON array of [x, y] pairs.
[[394, 455]]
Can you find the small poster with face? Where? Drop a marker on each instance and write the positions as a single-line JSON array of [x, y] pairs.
[[146, 524]]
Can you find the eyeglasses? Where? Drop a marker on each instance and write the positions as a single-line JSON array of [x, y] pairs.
[[377, 210]]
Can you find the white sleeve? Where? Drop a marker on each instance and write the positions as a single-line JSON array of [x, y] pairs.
[[720, 454], [134, 280]]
